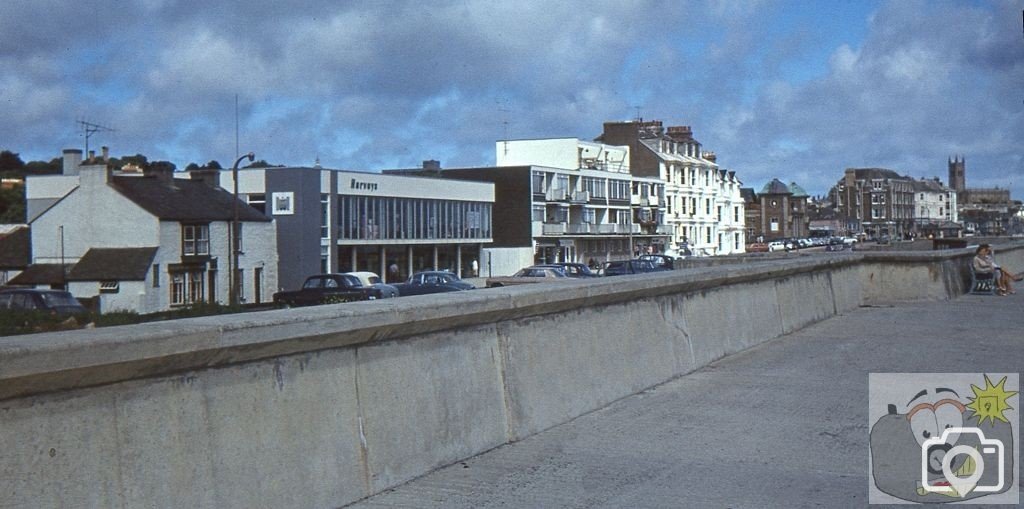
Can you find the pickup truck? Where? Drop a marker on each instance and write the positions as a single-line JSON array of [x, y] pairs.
[[327, 289]]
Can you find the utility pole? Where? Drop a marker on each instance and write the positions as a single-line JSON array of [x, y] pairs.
[[90, 129]]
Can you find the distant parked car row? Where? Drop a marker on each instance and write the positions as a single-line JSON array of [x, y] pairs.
[[562, 271], [788, 244], [357, 286]]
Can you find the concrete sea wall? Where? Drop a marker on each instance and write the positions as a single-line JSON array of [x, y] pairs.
[[322, 406]]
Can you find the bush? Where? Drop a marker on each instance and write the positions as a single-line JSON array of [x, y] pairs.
[[29, 322]]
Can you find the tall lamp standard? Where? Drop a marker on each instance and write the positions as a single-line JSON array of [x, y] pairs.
[[233, 233]]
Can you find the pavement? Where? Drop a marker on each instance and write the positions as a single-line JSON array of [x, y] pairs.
[[784, 424]]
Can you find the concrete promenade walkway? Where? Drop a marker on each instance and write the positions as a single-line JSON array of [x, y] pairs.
[[784, 424]]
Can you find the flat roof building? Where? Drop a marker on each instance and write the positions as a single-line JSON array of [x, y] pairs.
[[340, 221]]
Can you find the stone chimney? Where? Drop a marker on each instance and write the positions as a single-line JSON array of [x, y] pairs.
[[207, 176], [710, 156], [161, 174], [72, 161], [851, 178], [105, 153], [680, 133], [432, 165], [93, 175]]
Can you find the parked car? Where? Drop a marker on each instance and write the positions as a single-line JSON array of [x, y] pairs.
[[372, 280], [432, 281], [327, 289], [532, 274], [757, 247], [56, 302], [624, 267], [573, 270], [777, 245], [659, 261]]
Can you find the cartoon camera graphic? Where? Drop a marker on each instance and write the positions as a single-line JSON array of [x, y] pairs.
[[942, 453], [931, 453]]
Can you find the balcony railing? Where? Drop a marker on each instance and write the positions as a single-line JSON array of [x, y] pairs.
[[580, 197], [554, 228], [582, 228], [557, 194]]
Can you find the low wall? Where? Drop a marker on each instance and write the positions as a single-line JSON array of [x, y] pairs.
[[322, 406]]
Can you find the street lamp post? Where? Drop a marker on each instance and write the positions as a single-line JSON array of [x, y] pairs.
[[233, 297]]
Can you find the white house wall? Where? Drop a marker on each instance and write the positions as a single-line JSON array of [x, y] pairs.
[[99, 217], [43, 191], [259, 248]]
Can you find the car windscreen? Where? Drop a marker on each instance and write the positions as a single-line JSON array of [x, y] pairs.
[[58, 299]]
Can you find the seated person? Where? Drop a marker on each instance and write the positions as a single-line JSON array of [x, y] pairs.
[[985, 264]]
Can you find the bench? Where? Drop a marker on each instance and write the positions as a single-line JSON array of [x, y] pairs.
[[983, 284]]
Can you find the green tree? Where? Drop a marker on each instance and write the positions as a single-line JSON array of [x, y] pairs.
[[10, 161], [137, 160], [54, 167], [263, 164], [12, 205], [162, 166]]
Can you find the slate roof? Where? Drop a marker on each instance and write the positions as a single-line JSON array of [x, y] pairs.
[[39, 274], [113, 264], [775, 187], [929, 186], [748, 194], [876, 173], [798, 192], [183, 199], [15, 249]]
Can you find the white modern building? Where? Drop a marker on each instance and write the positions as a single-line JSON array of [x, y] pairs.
[[339, 221]]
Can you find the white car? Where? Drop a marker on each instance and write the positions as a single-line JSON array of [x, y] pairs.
[[776, 245], [371, 279]]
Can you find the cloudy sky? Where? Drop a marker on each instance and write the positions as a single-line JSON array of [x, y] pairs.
[[789, 89]]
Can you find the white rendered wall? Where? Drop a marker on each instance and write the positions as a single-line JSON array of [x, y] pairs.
[[92, 217]]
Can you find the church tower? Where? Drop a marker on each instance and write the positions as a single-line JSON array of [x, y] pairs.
[[957, 179]]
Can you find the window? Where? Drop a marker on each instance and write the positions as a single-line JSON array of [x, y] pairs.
[[195, 240], [258, 202], [187, 286], [239, 244], [622, 217], [736, 215], [109, 287], [589, 216], [156, 275], [177, 289], [538, 182], [325, 216], [195, 286]]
